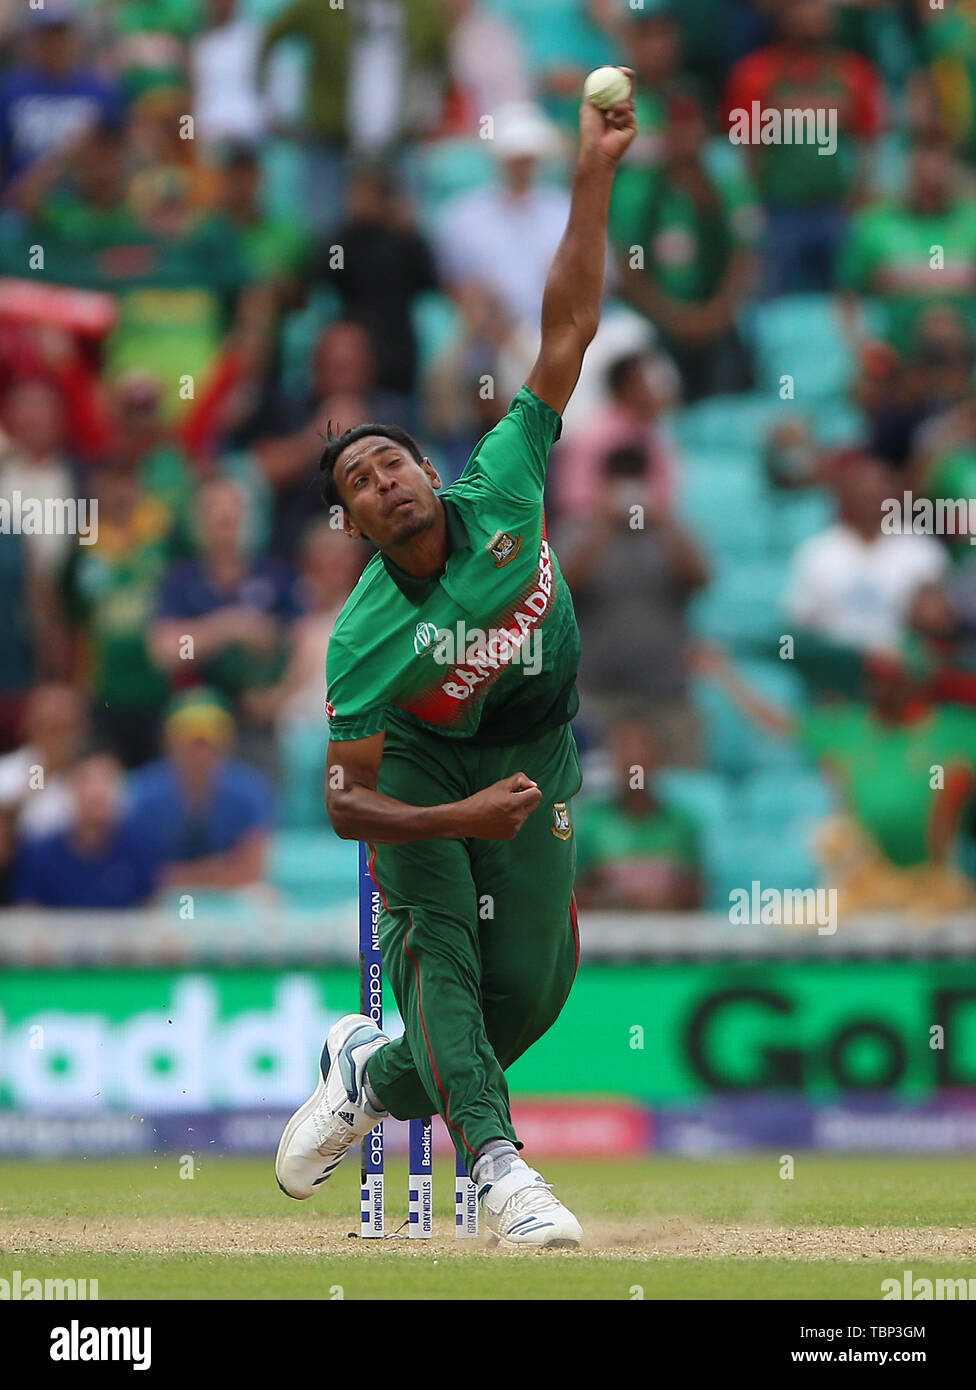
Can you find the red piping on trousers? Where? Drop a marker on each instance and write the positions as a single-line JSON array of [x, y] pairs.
[[370, 862], [430, 1050], [576, 940], [420, 1006]]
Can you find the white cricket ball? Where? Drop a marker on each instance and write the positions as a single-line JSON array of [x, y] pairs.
[[605, 87]]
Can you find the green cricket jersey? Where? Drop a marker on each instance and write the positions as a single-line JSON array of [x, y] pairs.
[[888, 252], [487, 650], [885, 770]]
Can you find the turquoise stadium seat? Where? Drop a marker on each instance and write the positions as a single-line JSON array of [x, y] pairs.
[[555, 31], [726, 506], [741, 607], [800, 335], [733, 744], [434, 321], [283, 178], [769, 799], [838, 422], [213, 907], [769, 835], [261, 9], [440, 170], [313, 868], [299, 332], [795, 516], [738, 423], [304, 749], [701, 793], [743, 854]]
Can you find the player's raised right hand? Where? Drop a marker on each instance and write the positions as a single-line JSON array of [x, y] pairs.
[[499, 811]]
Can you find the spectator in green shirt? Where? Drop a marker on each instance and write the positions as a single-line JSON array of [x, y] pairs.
[[905, 766], [79, 192], [807, 187], [141, 442], [651, 39], [275, 246], [914, 253], [684, 240], [633, 852], [109, 592]]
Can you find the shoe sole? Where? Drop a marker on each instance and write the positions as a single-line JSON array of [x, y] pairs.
[[298, 1118], [560, 1243], [325, 1064]]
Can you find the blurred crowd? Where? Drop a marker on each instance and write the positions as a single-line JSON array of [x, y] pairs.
[[226, 225]]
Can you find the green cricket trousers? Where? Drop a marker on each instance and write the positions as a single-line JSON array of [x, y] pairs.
[[479, 937]]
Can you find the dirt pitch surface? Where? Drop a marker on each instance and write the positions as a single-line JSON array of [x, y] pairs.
[[673, 1237]]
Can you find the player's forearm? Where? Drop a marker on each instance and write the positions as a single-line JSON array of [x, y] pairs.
[[357, 813], [574, 289]]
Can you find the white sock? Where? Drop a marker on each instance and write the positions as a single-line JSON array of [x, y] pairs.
[[372, 1103], [494, 1161]]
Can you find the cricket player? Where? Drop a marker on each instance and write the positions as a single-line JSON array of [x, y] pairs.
[[451, 679]]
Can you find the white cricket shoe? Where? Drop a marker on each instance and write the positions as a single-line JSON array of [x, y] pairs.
[[521, 1211], [320, 1132]]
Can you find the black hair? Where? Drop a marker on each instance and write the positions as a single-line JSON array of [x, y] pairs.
[[621, 368], [337, 443], [378, 171], [626, 461], [239, 154]]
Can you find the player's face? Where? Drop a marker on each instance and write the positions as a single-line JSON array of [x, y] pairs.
[[389, 496]]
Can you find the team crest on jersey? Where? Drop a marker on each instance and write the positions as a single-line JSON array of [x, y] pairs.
[[504, 547], [562, 826]]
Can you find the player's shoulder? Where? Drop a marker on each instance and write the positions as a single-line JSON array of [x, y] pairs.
[[528, 413], [370, 594]]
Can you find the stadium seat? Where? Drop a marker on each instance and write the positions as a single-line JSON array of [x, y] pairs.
[[441, 169], [312, 868], [283, 175], [726, 506], [741, 607], [553, 30], [304, 748], [299, 331], [729, 422], [800, 335], [434, 320], [742, 854], [214, 907], [770, 799], [838, 422], [701, 793], [795, 516], [733, 744]]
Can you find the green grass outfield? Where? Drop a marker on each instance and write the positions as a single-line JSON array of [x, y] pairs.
[[657, 1228]]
